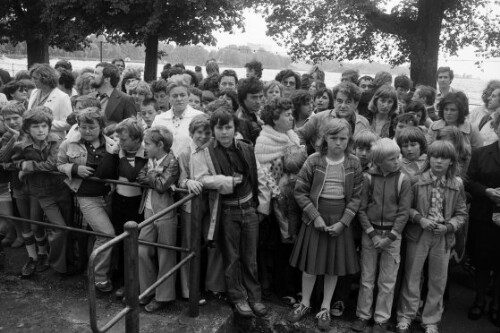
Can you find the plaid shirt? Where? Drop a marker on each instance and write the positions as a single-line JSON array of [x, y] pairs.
[[437, 198]]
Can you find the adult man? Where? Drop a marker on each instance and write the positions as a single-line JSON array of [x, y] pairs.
[[346, 98], [119, 63], [444, 79], [350, 75], [117, 106], [365, 83], [228, 80], [427, 96], [250, 97], [254, 68]]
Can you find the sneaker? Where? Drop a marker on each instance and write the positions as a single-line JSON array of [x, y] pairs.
[[29, 268], [403, 327], [337, 309], [324, 319], [298, 312], [43, 263], [359, 325], [379, 328], [431, 328], [104, 287]]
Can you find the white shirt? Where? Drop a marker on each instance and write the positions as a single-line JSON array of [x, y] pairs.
[[179, 126]]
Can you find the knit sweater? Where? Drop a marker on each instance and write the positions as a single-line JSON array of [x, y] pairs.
[[272, 144]]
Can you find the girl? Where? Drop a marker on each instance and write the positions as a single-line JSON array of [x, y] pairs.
[[383, 108], [328, 190], [438, 211], [420, 113], [413, 148], [462, 146], [273, 89]]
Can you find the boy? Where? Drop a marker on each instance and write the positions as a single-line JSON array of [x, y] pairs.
[[161, 172], [149, 111], [160, 94], [230, 168], [403, 121], [385, 205], [200, 132], [127, 199], [363, 142], [36, 157]]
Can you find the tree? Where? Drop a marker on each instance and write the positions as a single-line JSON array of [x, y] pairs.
[[34, 22], [413, 31]]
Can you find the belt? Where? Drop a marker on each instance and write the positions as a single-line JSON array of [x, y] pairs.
[[244, 205], [380, 227]]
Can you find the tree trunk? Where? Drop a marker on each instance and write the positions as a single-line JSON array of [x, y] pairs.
[[424, 44], [38, 51], [151, 62]]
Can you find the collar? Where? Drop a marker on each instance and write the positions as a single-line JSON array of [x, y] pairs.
[[28, 141], [217, 144], [465, 128], [141, 153], [108, 91], [160, 161], [435, 179], [102, 140], [426, 179]]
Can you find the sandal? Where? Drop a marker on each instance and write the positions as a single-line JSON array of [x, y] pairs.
[[475, 312]]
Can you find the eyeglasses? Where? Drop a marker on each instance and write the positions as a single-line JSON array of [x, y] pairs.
[[288, 83]]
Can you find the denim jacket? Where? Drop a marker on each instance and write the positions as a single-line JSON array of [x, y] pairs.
[[36, 162], [454, 206]]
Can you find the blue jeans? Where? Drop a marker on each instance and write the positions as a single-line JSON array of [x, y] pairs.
[[96, 211], [240, 233]]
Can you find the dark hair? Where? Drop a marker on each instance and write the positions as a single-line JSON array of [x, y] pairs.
[[66, 79], [207, 96], [364, 78], [256, 66], [201, 120], [351, 74], [165, 74], [90, 115], [211, 66], [404, 118], [133, 127], [159, 134], [460, 100], [22, 75], [159, 86], [10, 88], [167, 66], [64, 64], [329, 93], [402, 81], [415, 107], [110, 129], [305, 81], [127, 76], [385, 91], [211, 83], [150, 101], [229, 72], [299, 97], [214, 105], [223, 116], [111, 71], [197, 68], [315, 70], [115, 60], [382, 78], [194, 78], [180, 65], [251, 85], [232, 95], [444, 70], [428, 93], [37, 115], [412, 134], [48, 75], [319, 84], [13, 107], [196, 92], [285, 74], [348, 88], [87, 101], [274, 108], [27, 83]]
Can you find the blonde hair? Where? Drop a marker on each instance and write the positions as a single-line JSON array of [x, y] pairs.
[[334, 126], [382, 149]]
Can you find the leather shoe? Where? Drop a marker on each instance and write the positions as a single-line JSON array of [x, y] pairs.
[[243, 309], [259, 309], [154, 306]]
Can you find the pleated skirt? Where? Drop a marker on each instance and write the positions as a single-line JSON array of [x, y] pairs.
[[317, 253]]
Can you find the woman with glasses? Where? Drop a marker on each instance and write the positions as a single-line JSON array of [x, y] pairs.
[[15, 91], [290, 81]]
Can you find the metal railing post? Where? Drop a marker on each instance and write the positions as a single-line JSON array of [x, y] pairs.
[[194, 270], [131, 253]]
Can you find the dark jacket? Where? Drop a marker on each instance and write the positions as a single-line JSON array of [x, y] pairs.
[[120, 106], [249, 125]]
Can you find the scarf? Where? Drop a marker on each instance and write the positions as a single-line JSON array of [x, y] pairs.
[[272, 144]]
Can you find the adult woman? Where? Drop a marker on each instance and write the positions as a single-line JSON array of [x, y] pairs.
[[453, 109], [383, 106], [179, 116], [290, 81], [274, 147], [83, 84], [141, 92], [301, 107], [14, 90], [47, 94], [483, 183], [89, 153], [323, 100], [229, 96]]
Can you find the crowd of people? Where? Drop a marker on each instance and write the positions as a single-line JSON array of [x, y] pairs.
[[374, 183]]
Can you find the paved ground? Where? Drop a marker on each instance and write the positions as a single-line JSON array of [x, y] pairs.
[[49, 303]]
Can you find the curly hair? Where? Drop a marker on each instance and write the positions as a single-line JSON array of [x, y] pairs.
[[83, 81], [286, 73], [299, 98], [45, 74], [460, 100], [274, 108], [348, 88]]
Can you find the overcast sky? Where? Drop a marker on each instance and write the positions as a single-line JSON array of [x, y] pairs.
[[255, 33]]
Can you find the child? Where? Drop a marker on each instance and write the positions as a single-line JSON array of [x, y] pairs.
[[159, 88], [127, 199], [89, 153], [195, 98], [418, 110], [438, 211], [229, 167], [206, 97], [328, 189], [363, 142], [403, 121], [200, 132], [36, 157], [149, 111], [110, 131], [161, 172], [413, 147], [383, 215], [454, 135]]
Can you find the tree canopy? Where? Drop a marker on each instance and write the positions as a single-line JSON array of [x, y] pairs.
[[413, 31]]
